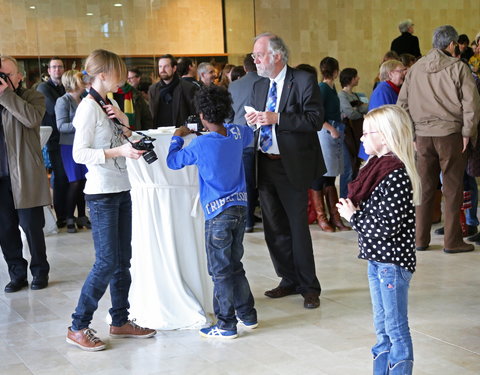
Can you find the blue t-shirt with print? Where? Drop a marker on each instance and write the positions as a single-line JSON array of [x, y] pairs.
[[220, 166]]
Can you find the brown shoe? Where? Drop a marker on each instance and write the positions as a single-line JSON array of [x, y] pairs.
[[280, 292], [311, 301], [85, 339], [131, 329]]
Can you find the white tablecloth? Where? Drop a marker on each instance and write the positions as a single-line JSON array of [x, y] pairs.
[[171, 287], [50, 222]]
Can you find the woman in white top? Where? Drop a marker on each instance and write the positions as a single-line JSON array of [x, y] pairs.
[[101, 144]]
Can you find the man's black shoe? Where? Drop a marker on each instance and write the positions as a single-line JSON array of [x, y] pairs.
[[39, 283], [311, 301], [15, 286], [474, 238], [471, 230], [421, 248], [440, 231], [280, 292]]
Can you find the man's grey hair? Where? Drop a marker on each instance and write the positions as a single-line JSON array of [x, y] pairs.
[[443, 36], [203, 67], [405, 25], [276, 45]]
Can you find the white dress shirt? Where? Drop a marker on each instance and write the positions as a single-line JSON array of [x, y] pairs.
[[280, 80]]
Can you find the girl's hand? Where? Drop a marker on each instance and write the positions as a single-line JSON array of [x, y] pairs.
[[346, 208], [115, 112], [129, 152]]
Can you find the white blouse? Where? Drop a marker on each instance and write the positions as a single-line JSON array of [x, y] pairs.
[[95, 132]]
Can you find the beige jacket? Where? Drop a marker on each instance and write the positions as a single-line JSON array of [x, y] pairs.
[[21, 121], [440, 95]]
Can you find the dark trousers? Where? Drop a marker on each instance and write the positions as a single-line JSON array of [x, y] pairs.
[[285, 223], [32, 222], [60, 184], [435, 155]]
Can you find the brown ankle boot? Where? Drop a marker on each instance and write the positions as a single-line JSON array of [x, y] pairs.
[[331, 198], [318, 202], [437, 207]]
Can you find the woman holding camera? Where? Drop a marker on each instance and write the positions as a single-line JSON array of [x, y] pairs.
[[100, 143]]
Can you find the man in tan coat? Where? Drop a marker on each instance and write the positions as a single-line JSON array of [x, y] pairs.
[[23, 181], [440, 95]]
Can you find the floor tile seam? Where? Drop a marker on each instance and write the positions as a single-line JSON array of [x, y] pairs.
[[445, 342]]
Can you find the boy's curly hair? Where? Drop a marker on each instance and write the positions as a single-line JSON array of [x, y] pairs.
[[214, 102]]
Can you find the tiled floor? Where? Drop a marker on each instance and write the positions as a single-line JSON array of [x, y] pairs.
[[334, 339]]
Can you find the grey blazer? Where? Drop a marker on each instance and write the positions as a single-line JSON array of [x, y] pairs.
[[241, 91], [65, 109]]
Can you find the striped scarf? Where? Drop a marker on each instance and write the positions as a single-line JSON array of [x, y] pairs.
[[125, 92]]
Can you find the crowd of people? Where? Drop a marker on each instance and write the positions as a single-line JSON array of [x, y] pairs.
[[274, 134]]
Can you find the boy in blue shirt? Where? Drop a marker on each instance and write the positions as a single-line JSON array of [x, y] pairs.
[[218, 156]]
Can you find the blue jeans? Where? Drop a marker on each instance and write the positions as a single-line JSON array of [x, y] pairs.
[[231, 291], [252, 193], [111, 218], [471, 213], [393, 352]]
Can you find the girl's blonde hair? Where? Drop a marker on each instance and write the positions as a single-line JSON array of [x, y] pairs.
[[103, 61], [394, 124], [72, 80]]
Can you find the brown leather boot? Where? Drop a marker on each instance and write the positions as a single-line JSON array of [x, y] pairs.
[[331, 198], [319, 204], [437, 207], [312, 214]]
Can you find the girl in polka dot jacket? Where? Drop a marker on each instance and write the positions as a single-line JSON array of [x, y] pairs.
[[380, 207]]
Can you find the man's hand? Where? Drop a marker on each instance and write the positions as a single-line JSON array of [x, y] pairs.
[[3, 85], [267, 118], [251, 117], [346, 208], [465, 143], [182, 131]]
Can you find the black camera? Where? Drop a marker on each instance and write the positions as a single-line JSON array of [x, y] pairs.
[[146, 143], [4, 77]]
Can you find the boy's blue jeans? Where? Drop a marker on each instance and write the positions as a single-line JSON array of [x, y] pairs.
[[111, 219], [231, 291], [393, 352]]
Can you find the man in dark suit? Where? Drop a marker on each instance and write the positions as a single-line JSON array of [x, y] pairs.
[[52, 90], [241, 91], [407, 42], [171, 99], [289, 113]]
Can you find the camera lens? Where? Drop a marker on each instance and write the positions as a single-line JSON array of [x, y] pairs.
[[150, 156]]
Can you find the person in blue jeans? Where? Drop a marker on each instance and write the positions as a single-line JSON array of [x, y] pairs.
[[218, 156], [380, 207], [101, 129]]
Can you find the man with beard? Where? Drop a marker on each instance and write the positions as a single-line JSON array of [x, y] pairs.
[[171, 99], [288, 113]]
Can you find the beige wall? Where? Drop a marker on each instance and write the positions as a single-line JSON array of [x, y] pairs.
[[356, 32], [139, 27]]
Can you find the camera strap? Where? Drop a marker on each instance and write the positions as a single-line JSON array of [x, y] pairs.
[[101, 102]]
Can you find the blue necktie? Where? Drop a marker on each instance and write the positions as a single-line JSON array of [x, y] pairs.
[[266, 130]]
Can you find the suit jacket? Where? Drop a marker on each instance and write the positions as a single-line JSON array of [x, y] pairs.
[[301, 116], [406, 43], [241, 91], [51, 93], [182, 102]]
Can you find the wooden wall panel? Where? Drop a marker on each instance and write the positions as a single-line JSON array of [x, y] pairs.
[[356, 32], [139, 27]]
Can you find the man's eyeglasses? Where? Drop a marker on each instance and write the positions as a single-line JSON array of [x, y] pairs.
[[259, 55]]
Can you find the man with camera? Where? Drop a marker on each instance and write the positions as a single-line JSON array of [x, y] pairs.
[[23, 181]]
